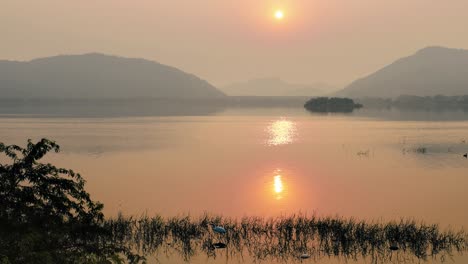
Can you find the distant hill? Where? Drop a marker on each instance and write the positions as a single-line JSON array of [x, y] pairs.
[[98, 76], [430, 71], [275, 87]]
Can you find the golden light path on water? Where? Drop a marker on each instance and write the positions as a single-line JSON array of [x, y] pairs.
[[278, 184], [281, 132]]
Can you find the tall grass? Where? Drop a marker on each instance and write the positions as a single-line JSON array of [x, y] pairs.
[[286, 238]]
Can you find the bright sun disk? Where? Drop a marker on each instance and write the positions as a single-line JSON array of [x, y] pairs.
[[279, 14]]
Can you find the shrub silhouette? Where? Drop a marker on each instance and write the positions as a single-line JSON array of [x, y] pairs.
[[46, 216]]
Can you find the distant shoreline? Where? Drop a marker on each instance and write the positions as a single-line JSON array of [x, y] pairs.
[[139, 106]]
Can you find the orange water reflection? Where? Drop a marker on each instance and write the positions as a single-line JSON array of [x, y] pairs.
[[281, 132], [233, 175], [278, 185]]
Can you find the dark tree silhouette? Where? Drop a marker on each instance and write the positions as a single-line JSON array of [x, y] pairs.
[[46, 216], [333, 104]]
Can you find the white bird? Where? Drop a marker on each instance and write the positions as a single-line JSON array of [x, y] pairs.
[[219, 229]]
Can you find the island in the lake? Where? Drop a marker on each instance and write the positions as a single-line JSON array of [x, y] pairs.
[[333, 105]]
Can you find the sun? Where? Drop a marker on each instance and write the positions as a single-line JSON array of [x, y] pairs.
[[279, 14]]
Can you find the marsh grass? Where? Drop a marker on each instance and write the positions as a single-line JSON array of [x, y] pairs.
[[287, 238]]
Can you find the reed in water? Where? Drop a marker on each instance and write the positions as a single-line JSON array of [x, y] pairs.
[[287, 238]]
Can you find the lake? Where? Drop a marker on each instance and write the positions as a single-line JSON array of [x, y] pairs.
[[266, 162]]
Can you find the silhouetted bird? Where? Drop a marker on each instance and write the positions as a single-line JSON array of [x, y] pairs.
[[219, 229], [466, 155]]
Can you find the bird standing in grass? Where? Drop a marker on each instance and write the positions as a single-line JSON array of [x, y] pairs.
[[218, 229]]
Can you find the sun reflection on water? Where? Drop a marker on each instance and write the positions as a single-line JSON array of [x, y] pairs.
[[278, 186], [281, 132]]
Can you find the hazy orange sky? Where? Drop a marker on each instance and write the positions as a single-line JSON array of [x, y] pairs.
[[224, 41]]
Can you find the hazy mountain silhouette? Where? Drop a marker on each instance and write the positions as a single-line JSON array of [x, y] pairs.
[[98, 76], [275, 87], [430, 71]]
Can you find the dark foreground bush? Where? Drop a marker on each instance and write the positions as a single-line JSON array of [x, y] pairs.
[[46, 216]]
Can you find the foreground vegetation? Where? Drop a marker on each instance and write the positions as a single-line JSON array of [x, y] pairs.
[[287, 238], [46, 216]]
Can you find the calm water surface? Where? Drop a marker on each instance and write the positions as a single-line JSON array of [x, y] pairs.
[[264, 163]]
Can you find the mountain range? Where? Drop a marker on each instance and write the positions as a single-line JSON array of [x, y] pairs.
[[430, 71], [97, 75]]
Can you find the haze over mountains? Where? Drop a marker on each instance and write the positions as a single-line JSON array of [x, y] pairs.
[[98, 76], [275, 87], [430, 71]]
